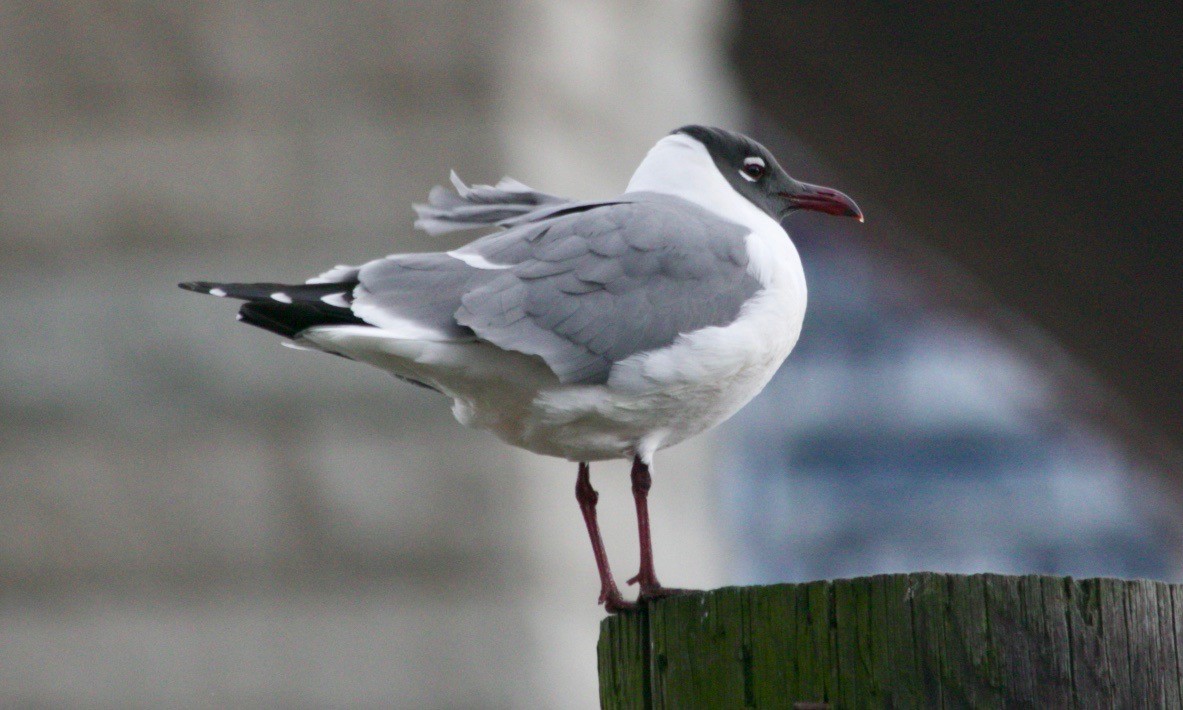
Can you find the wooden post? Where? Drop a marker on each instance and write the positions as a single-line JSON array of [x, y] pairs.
[[902, 641]]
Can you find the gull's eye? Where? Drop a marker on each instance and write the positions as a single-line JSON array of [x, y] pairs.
[[754, 168]]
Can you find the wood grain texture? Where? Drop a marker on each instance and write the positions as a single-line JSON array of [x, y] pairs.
[[902, 641]]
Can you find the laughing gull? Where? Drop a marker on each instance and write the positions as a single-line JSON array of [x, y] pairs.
[[585, 330]]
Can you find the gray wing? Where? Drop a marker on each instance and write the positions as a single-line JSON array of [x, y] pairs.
[[419, 292], [422, 292], [588, 289]]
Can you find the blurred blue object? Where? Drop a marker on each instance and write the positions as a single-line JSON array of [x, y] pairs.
[[903, 437]]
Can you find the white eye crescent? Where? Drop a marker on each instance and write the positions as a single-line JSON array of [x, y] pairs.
[[754, 168]]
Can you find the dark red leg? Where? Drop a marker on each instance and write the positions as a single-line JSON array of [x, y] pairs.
[[610, 595], [650, 587]]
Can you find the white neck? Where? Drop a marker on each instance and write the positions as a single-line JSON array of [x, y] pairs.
[[681, 166]]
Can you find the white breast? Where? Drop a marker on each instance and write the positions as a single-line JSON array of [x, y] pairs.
[[708, 375], [767, 327]]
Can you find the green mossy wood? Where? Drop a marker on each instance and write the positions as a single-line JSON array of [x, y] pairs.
[[902, 641]]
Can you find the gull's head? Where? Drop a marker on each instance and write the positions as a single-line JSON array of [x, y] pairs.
[[754, 173], [702, 164]]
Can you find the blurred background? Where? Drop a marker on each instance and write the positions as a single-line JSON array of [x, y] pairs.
[[193, 516]]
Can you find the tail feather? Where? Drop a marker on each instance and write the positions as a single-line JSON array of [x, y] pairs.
[[286, 309], [283, 293]]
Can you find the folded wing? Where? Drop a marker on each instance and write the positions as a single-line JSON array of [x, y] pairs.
[[584, 291]]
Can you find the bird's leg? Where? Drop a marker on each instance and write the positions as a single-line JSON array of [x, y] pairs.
[[610, 595], [650, 587]]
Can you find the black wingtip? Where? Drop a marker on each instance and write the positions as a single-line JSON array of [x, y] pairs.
[[198, 286]]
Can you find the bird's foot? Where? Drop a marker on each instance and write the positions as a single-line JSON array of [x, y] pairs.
[[651, 589], [614, 602], [660, 592]]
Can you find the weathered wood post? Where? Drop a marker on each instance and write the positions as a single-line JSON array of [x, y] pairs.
[[902, 641]]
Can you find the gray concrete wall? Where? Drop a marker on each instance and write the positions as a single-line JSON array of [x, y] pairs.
[[193, 516]]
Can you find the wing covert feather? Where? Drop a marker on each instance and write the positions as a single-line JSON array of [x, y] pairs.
[[594, 287]]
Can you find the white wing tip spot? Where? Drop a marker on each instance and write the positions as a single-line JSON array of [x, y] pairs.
[[336, 299], [219, 292], [281, 297]]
